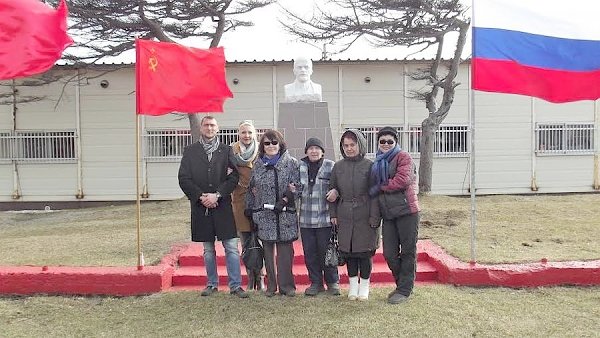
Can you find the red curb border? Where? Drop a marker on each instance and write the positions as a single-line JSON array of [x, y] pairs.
[[110, 281], [129, 281], [453, 271]]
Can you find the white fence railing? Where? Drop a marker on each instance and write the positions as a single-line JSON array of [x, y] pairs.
[[450, 140], [38, 146], [166, 145], [564, 138]]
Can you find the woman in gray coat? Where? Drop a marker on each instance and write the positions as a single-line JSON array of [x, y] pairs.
[[355, 214], [270, 203]]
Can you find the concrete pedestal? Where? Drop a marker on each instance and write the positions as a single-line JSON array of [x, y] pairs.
[[299, 121]]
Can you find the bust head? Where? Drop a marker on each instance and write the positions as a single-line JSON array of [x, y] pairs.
[[303, 68], [303, 89]]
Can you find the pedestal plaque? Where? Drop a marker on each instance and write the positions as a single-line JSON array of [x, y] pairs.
[[299, 121]]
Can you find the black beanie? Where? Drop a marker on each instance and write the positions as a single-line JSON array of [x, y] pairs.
[[388, 131], [313, 141]]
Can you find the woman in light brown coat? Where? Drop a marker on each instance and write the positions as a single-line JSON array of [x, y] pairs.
[[245, 151]]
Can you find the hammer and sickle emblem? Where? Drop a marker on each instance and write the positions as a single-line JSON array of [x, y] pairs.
[[153, 63]]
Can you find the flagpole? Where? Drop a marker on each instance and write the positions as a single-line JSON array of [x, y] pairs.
[[472, 150], [138, 204]]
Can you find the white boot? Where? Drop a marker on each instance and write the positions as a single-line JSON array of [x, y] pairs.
[[353, 292], [363, 289]]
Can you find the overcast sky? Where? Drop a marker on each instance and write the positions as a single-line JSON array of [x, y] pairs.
[[267, 40]]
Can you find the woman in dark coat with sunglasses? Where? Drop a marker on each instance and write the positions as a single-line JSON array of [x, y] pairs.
[[270, 202]]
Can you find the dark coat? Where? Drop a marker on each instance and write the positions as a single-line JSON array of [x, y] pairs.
[[197, 176], [357, 214], [272, 227]]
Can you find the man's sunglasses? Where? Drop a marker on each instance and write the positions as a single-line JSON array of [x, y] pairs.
[[268, 143], [386, 141]]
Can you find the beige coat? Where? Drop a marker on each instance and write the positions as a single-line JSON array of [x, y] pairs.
[[238, 197]]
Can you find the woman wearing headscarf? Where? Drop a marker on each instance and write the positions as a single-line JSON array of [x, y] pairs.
[[245, 151], [355, 214], [394, 184], [270, 202]]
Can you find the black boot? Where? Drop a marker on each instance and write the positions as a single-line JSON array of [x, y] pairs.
[[251, 279]]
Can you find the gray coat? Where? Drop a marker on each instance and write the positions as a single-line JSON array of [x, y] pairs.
[[272, 227], [197, 176], [356, 212]]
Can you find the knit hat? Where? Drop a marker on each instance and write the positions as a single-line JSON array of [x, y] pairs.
[[313, 141], [388, 131]]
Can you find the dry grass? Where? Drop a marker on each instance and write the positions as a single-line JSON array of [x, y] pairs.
[[516, 228], [103, 236], [433, 311], [510, 229]]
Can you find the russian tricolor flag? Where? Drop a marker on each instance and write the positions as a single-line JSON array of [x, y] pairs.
[[544, 48]]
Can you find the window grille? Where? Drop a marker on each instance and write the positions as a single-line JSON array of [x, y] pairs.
[[564, 138], [450, 140], [165, 145], [38, 146]]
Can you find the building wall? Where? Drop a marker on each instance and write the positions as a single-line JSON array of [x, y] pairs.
[[359, 94]]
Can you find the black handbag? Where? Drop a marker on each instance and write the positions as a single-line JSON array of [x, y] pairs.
[[253, 253], [332, 254]]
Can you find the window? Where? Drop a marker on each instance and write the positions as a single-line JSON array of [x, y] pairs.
[[450, 141], [38, 146], [164, 145], [370, 134], [565, 138], [5, 146]]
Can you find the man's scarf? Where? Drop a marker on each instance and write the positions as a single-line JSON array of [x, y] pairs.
[[210, 146]]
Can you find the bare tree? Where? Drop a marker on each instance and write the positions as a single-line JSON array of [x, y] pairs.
[[413, 23], [105, 28]]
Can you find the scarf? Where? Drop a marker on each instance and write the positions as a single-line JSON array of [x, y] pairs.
[[246, 155], [210, 146], [270, 161], [380, 169], [313, 170]]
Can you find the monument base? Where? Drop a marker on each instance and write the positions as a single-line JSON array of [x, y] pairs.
[[299, 121]]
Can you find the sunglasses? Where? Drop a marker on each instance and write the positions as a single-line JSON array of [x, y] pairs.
[[387, 141], [268, 143]]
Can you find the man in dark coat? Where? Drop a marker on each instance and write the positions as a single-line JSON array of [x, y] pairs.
[[207, 176]]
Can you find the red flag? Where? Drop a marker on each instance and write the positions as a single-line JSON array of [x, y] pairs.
[[33, 36], [171, 77]]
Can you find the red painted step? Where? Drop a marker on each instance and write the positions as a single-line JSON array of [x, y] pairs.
[[192, 273], [192, 256], [196, 275]]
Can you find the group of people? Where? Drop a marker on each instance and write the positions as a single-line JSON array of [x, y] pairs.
[[256, 186]]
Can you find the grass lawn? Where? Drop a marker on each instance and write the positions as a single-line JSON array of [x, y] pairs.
[[510, 229], [433, 311]]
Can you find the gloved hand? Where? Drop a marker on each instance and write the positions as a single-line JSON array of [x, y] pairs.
[[289, 195], [279, 206]]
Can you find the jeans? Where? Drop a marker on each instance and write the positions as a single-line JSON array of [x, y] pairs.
[[232, 260], [314, 244], [400, 250]]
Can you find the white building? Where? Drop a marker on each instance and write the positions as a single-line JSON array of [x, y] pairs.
[[79, 143]]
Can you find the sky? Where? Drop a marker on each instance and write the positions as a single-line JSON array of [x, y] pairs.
[[267, 40]]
